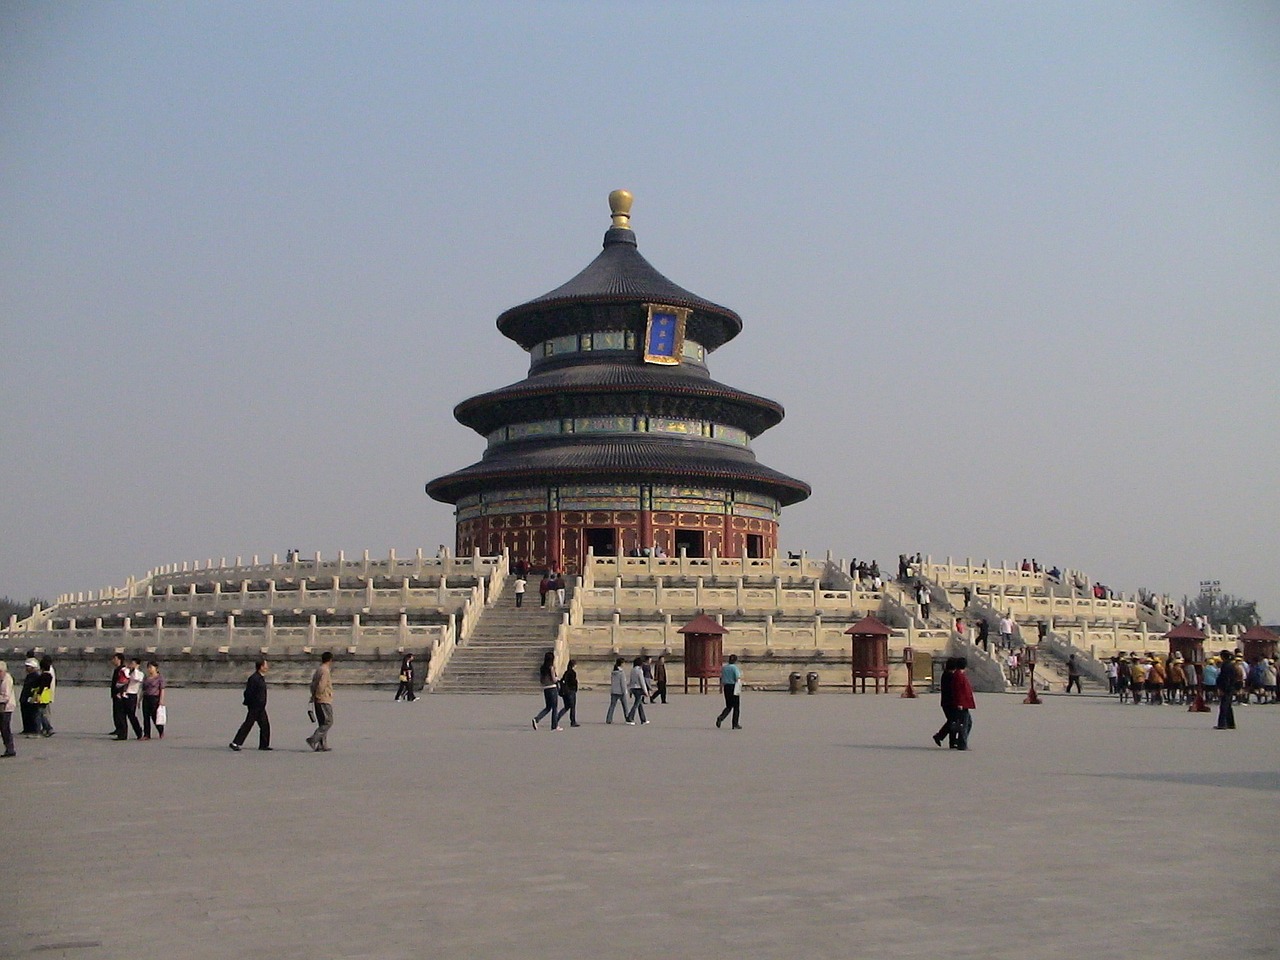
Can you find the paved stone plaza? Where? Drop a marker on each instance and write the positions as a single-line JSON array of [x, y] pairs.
[[829, 827]]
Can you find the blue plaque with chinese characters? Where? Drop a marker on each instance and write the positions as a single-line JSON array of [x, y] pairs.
[[664, 334]]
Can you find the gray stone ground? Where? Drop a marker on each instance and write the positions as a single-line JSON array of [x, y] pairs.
[[830, 827]]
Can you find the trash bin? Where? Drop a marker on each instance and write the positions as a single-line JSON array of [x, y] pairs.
[[811, 683], [793, 683]]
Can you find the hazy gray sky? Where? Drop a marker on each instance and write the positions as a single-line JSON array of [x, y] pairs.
[[1013, 269]]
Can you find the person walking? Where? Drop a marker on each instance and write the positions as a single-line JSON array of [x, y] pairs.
[[544, 586], [558, 584], [119, 683], [639, 687], [1073, 674], [963, 693], [984, 634], [26, 699], [521, 585], [1006, 631], [923, 598], [322, 700], [550, 691], [659, 679], [569, 693], [7, 703], [731, 685], [946, 684], [255, 702], [132, 693], [405, 689], [617, 690], [1229, 682], [43, 696], [152, 701]]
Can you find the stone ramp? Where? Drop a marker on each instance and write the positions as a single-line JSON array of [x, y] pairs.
[[504, 651]]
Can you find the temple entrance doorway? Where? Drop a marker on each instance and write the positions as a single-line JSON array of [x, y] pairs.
[[603, 541], [755, 545], [689, 541]]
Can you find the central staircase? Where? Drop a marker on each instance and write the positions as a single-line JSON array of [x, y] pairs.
[[505, 649]]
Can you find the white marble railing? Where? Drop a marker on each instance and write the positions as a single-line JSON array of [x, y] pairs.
[[738, 597], [1025, 605], [608, 569], [950, 574], [333, 599], [417, 567], [223, 637], [1102, 642], [758, 635]]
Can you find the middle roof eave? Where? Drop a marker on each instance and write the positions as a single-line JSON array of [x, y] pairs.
[[486, 411]]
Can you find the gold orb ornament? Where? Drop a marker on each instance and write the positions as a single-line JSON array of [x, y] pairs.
[[620, 207]]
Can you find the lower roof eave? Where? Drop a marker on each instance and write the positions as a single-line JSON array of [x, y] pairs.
[[453, 487]]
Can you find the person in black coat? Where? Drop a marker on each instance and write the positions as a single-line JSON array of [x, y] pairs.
[[405, 689], [26, 699], [947, 687], [1228, 685], [255, 701]]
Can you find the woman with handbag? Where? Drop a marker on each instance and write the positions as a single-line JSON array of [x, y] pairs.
[[43, 697], [152, 701], [405, 690]]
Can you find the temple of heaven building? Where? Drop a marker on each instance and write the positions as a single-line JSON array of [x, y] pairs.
[[618, 440]]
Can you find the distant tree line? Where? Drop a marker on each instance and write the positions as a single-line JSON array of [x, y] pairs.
[[1223, 609], [19, 608]]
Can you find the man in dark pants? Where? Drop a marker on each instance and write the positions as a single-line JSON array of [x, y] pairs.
[[119, 709], [255, 701], [947, 686], [731, 684], [1228, 684], [660, 679], [1073, 674]]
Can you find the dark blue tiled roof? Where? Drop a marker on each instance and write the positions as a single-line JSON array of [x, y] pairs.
[[645, 459]]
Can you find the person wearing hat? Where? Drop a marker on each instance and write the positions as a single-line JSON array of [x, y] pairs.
[[1176, 681], [26, 699], [1229, 682], [7, 701], [1137, 678]]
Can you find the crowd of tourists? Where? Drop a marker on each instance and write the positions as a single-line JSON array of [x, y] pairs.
[[33, 701], [1154, 678], [1132, 677]]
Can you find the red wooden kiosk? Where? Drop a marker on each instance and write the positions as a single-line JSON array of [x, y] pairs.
[[1258, 643], [1187, 641], [870, 640], [703, 650]]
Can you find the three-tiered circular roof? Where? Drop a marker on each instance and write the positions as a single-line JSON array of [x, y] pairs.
[[616, 289]]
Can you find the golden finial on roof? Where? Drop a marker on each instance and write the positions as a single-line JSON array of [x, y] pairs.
[[620, 207]]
